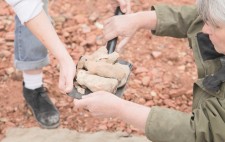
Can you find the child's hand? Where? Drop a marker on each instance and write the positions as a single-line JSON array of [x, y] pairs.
[[67, 73]]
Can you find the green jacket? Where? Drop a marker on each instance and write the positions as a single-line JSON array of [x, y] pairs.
[[207, 121]]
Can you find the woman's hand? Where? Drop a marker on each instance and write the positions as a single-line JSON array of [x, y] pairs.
[[123, 25], [100, 104], [127, 25], [104, 104], [124, 5]]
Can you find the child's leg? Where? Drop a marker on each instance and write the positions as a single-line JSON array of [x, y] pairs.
[[30, 57]]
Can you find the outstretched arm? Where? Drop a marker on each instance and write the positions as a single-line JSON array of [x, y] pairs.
[[104, 104]]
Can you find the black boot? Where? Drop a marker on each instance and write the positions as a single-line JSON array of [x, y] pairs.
[[43, 109]]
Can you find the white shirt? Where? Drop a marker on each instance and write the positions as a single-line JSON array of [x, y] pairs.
[[26, 9]]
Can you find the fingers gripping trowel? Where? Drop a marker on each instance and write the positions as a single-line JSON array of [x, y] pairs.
[[111, 46]]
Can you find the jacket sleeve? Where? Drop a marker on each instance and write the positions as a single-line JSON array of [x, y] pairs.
[[26, 9], [205, 124], [174, 21]]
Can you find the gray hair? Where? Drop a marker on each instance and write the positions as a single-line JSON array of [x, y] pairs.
[[212, 11]]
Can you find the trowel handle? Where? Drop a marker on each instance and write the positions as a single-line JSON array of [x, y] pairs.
[[111, 44]]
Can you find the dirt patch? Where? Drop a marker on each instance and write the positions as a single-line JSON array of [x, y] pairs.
[[163, 68], [59, 135]]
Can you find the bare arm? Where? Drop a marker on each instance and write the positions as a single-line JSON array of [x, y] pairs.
[[134, 114], [42, 28], [104, 104]]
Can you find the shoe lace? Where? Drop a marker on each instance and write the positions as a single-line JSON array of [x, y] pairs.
[[37, 99]]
